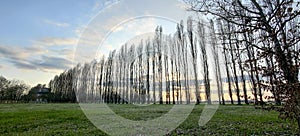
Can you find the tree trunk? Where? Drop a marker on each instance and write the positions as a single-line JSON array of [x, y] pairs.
[[226, 60], [160, 70], [298, 120], [234, 67], [167, 80], [173, 81], [217, 64], [153, 74], [228, 78], [244, 83], [148, 71]]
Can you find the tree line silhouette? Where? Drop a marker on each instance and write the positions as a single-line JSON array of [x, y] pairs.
[[164, 69]]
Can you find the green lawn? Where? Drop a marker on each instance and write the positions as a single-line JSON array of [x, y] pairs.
[[68, 119]]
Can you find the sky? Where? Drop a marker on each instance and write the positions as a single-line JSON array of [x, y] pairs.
[[40, 39]]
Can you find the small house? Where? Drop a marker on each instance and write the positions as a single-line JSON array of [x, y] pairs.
[[42, 95]]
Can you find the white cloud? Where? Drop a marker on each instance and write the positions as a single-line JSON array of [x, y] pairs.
[[137, 26], [100, 5], [36, 58], [89, 36], [56, 41], [182, 5], [92, 35], [124, 21], [14, 52], [58, 24]]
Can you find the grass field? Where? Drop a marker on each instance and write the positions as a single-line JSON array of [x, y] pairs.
[[68, 119]]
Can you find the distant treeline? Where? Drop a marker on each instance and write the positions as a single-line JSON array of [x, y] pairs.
[[16, 91], [11, 90]]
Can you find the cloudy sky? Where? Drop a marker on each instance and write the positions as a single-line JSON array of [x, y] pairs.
[[39, 39]]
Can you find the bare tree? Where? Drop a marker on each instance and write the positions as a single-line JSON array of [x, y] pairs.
[[131, 69], [141, 87], [240, 65], [147, 49], [153, 71], [167, 43], [216, 63], [193, 49], [270, 21], [183, 60], [173, 67], [231, 38], [203, 56], [101, 75], [125, 74], [226, 59], [158, 42]]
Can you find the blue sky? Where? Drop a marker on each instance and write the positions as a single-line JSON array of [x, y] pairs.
[[37, 36], [23, 21], [39, 39]]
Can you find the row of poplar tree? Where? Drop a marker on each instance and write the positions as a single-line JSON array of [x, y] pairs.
[[165, 69], [259, 41]]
